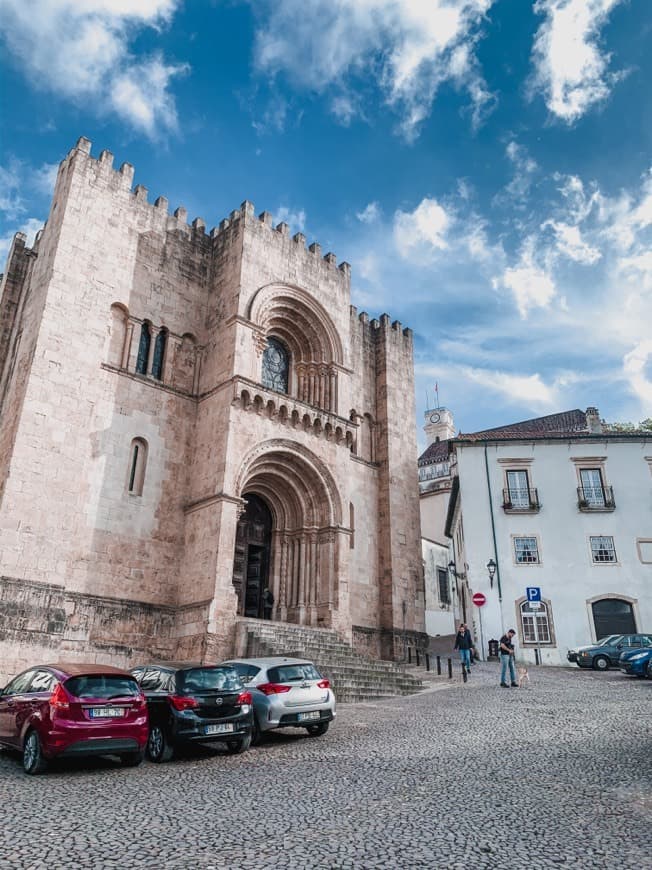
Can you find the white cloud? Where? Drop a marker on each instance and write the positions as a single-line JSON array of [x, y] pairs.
[[634, 366], [44, 178], [80, 51], [294, 219], [569, 66], [426, 226], [30, 227], [411, 46], [531, 285], [11, 202], [570, 243], [370, 214], [529, 389]]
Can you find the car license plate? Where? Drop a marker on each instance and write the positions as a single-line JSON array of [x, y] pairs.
[[224, 728], [106, 712], [303, 717]]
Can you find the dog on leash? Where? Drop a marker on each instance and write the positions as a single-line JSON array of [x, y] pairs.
[[523, 677]]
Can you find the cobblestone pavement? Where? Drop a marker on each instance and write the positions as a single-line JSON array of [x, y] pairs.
[[473, 776]]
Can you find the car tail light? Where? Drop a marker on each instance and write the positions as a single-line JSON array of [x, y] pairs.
[[59, 699], [273, 689], [324, 684], [243, 698], [183, 702]]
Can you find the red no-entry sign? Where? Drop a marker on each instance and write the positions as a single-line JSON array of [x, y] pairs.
[[479, 598]]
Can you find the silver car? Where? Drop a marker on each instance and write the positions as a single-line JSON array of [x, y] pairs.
[[286, 693]]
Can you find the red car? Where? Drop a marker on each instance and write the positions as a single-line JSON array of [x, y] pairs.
[[72, 710]]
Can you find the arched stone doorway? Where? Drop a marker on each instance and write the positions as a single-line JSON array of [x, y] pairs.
[[297, 491], [252, 556], [613, 616]]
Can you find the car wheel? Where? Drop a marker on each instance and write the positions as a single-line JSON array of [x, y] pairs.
[[601, 663], [159, 748], [235, 747], [132, 759], [649, 670], [256, 734], [317, 730], [33, 761]]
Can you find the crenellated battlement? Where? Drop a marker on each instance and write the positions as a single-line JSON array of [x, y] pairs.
[[381, 327], [223, 233]]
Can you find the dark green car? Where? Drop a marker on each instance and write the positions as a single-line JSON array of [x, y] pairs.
[[606, 652]]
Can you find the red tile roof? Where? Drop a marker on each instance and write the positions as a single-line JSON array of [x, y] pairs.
[[436, 452], [566, 423]]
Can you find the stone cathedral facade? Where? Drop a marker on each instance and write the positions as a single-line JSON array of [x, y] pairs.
[[188, 419]]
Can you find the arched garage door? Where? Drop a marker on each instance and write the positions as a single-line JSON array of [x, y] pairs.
[[613, 616]]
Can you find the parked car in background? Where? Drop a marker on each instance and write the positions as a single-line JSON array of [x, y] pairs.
[[194, 703], [286, 693], [73, 710], [606, 652], [637, 662]]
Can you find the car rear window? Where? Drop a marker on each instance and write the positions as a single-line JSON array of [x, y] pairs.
[[208, 679], [102, 686], [245, 672], [293, 673]]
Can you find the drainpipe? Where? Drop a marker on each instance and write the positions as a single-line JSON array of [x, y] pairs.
[[493, 532]]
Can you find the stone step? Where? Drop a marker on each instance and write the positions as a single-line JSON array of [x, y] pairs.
[[354, 677]]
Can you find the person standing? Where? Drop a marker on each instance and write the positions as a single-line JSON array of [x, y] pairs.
[[464, 643], [507, 659], [268, 603]]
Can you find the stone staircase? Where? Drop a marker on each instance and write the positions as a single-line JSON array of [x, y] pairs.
[[353, 676]]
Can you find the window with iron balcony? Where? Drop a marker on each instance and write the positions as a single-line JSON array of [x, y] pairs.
[[518, 495]]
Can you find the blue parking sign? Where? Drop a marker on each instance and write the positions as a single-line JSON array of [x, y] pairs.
[[533, 593]]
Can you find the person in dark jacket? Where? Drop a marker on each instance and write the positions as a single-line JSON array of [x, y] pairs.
[[464, 643], [268, 603]]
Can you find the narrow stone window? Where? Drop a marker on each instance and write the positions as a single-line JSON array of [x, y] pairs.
[[159, 354], [352, 524], [444, 588], [137, 466], [143, 349], [276, 366]]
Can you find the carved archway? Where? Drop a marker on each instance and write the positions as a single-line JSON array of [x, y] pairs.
[[292, 317], [306, 513]]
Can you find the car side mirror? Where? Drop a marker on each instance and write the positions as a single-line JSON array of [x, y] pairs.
[[619, 646]]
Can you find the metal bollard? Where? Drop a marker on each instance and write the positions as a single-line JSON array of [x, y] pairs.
[[464, 674], [439, 666], [427, 661], [409, 655], [416, 654], [450, 669]]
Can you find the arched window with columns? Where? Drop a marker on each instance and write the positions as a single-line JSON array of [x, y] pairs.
[[159, 354]]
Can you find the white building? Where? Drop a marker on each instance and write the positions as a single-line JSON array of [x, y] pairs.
[[444, 598], [562, 504]]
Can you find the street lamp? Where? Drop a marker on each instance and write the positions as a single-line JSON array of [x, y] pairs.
[[491, 569]]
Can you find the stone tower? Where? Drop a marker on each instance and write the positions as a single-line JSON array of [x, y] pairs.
[[188, 419], [439, 425]]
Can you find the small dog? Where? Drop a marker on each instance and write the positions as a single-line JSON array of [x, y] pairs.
[[523, 676]]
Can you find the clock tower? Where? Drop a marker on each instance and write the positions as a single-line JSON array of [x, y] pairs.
[[439, 425]]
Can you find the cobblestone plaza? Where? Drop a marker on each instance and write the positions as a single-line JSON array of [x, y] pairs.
[[471, 776]]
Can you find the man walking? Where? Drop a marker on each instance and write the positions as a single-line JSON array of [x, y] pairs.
[[507, 659], [464, 644]]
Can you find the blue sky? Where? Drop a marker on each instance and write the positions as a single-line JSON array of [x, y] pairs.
[[484, 165]]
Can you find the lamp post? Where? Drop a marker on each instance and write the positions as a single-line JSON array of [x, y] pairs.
[[452, 568], [491, 570]]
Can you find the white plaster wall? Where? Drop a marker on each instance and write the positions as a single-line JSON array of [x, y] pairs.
[[566, 574], [440, 617]]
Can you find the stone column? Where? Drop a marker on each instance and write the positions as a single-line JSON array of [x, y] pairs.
[[126, 347]]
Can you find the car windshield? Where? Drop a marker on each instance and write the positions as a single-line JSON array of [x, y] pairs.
[[611, 640], [293, 673], [104, 686], [209, 679]]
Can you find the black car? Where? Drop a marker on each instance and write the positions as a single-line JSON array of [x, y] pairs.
[[606, 652], [194, 703]]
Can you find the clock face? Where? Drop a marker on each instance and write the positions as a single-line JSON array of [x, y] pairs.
[[434, 418]]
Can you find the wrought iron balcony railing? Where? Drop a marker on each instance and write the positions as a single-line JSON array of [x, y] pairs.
[[521, 500], [595, 498]]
